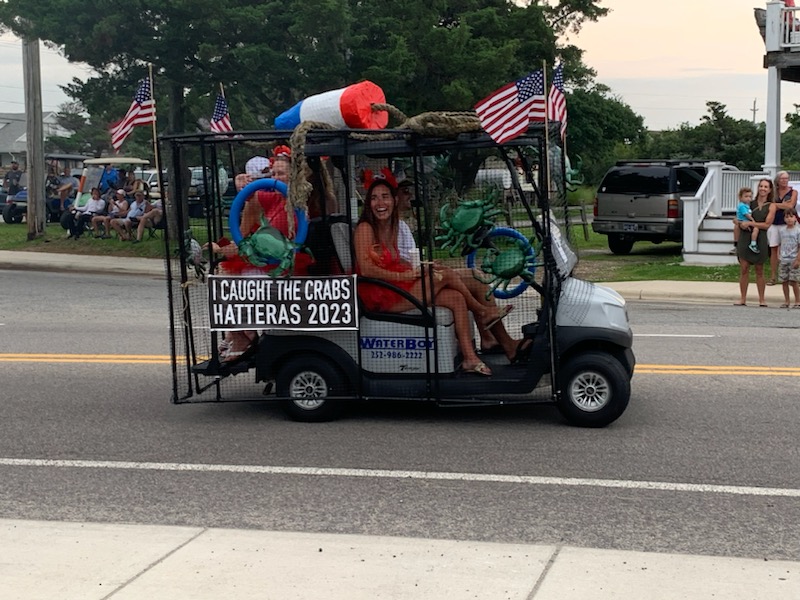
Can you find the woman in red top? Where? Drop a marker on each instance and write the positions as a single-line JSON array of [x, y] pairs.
[[377, 256]]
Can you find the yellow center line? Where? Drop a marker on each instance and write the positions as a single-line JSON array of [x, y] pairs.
[[130, 359], [159, 359]]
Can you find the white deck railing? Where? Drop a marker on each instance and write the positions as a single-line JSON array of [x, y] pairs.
[[781, 26]]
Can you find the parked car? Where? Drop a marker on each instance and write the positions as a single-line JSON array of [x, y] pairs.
[[641, 200]]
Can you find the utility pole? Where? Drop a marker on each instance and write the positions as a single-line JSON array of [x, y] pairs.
[[754, 110], [34, 161]]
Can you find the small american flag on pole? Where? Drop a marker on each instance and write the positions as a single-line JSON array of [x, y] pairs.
[[506, 113], [556, 101], [141, 112], [221, 119]]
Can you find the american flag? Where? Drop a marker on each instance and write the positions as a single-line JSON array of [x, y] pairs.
[[506, 113], [141, 112], [221, 119], [556, 101]]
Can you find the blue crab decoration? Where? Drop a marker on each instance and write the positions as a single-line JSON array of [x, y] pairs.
[[268, 246], [514, 261], [467, 226]]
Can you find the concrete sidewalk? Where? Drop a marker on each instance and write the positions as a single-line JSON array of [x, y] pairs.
[[708, 292], [48, 559]]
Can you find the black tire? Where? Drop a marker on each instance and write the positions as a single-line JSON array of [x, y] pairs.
[[11, 214], [595, 389], [619, 243], [310, 379]]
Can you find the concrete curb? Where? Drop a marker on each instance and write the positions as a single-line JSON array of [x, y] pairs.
[[51, 261]]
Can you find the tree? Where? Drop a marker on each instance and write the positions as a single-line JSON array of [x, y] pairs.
[[790, 141], [600, 128], [426, 54], [719, 136]]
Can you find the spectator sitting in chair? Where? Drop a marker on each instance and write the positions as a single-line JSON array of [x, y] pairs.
[[117, 208], [124, 224], [76, 220], [151, 218]]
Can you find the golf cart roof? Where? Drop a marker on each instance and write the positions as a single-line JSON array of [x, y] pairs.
[[374, 142], [115, 160]]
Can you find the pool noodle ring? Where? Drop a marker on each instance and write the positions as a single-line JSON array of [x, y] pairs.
[[512, 233], [266, 185]]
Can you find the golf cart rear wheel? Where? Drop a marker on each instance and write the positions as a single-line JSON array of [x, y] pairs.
[[595, 389], [308, 381]]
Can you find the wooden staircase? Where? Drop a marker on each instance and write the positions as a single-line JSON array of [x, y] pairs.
[[715, 240]]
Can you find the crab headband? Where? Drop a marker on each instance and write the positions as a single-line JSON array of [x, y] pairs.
[[282, 151], [385, 176]]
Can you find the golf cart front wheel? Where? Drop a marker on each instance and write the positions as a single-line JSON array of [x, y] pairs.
[[307, 382], [595, 389]]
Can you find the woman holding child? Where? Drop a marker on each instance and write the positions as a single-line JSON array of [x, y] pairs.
[[763, 215]]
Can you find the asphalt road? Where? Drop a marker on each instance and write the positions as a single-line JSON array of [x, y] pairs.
[[707, 423]]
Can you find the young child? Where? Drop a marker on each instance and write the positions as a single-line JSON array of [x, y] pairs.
[[745, 213], [789, 270]]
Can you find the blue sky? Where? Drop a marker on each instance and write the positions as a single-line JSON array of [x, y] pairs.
[[665, 60]]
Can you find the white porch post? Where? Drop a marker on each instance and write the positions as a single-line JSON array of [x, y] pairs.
[[772, 142], [714, 172]]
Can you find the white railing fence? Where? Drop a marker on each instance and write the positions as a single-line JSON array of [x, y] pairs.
[[780, 26]]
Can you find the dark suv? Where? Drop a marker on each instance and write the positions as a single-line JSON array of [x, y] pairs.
[[641, 200]]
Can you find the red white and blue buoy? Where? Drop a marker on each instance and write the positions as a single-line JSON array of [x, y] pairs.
[[346, 107]]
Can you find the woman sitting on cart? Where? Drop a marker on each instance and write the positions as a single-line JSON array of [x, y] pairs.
[[378, 257]]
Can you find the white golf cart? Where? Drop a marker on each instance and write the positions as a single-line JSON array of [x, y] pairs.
[[317, 346], [93, 171]]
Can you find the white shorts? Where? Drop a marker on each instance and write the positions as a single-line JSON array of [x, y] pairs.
[[774, 235]]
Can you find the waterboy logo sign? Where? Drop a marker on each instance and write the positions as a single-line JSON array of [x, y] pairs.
[[301, 303]]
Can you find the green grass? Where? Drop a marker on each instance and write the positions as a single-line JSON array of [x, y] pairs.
[[646, 261], [582, 195], [15, 237]]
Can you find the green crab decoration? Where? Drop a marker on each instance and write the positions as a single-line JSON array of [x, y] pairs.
[[517, 261], [268, 246], [467, 226]]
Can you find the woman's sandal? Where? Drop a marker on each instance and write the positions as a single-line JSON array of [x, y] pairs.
[[502, 313], [784, 306], [479, 369], [771, 282]]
